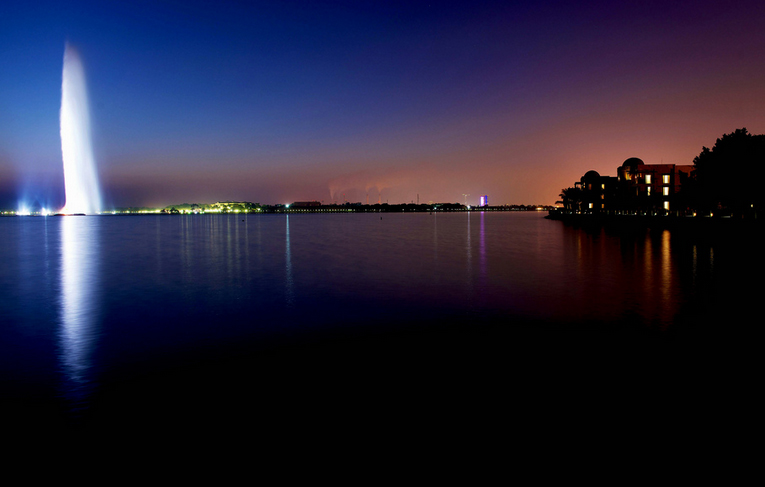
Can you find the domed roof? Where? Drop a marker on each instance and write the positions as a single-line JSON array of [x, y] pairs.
[[632, 162], [591, 175]]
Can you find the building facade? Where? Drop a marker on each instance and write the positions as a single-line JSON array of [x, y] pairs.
[[598, 193], [653, 188], [638, 188]]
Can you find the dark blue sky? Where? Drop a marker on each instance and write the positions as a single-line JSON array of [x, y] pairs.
[[193, 101]]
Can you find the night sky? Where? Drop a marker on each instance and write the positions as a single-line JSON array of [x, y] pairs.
[[275, 102]]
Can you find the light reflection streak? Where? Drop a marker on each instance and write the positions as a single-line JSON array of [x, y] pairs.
[[289, 284], [648, 270], [435, 236], [666, 297], [659, 280], [469, 257], [230, 247], [79, 306], [482, 253], [186, 247], [247, 273]]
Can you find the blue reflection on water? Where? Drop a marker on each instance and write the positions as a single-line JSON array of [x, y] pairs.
[[79, 307], [135, 294], [289, 283]]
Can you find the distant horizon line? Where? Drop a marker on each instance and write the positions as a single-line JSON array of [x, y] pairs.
[[251, 207]]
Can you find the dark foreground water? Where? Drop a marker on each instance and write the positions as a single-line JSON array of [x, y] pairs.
[[361, 322]]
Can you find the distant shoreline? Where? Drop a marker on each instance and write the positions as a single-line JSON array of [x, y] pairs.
[[347, 208]]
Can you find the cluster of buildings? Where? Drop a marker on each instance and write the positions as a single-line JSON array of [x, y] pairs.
[[638, 188]]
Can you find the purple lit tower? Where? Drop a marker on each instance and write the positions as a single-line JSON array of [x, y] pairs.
[[484, 201]]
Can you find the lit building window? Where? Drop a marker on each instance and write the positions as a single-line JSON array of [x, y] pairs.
[[590, 205], [648, 191], [665, 178], [665, 190], [647, 179], [666, 205]]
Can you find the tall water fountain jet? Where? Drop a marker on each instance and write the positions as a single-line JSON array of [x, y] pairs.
[[83, 194]]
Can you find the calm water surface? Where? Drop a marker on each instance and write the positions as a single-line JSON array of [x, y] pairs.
[[90, 301]]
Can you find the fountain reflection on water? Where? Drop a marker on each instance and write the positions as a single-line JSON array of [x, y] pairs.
[[79, 244], [143, 304], [79, 307]]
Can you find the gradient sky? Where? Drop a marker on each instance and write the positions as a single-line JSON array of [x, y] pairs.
[[274, 102]]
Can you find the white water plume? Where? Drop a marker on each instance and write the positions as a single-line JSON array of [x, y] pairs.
[[80, 179]]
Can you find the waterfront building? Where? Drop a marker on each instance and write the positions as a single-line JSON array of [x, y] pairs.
[[599, 193], [638, 188], [653, 188]]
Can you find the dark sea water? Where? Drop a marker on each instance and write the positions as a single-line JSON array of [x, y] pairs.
[[362, 322]]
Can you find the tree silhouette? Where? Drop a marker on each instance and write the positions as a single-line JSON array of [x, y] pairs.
[[571, 199], [728, 177]]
